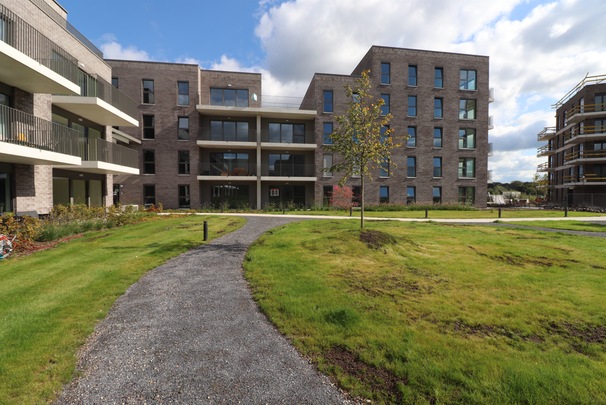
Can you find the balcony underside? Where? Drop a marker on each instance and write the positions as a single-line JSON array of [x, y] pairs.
[[96, 110], [290, 146], [584, 161], [582, 184], [584, 138], [546, 153], [99, 167], [28, 155], [238, 179], [19, 70], [282, 178], [254, 111], [227, 144], [583, 116]]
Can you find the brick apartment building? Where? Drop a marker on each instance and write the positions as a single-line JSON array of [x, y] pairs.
[[57, 109], [576, 147], [209, 137]]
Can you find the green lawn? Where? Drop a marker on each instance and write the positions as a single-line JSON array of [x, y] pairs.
[[567, 225], [428, 313], [51, 300]]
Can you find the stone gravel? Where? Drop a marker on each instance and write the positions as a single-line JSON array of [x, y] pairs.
[[189, 332]]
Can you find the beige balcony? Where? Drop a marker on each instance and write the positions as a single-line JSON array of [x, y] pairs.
[[545, 151], [584, 157], [582, 112], [103, 157], [546, 134], [584, 134], [236, 139]]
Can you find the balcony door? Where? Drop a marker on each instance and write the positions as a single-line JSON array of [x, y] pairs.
[[286, 133]]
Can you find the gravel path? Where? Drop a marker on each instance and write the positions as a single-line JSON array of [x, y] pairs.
[[189, 332]]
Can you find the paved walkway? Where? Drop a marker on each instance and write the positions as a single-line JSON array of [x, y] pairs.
[[189, 332]]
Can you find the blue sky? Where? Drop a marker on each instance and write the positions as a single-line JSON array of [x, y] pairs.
[[539, 49]]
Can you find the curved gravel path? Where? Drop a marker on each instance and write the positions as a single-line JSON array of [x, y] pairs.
[[189, 332]]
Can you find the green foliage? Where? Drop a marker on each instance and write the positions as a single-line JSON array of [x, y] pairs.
[[418, 206]]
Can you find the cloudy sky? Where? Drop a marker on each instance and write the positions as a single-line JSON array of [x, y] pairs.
[[538, 49]]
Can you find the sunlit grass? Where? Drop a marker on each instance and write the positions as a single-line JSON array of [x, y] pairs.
[[452, 313], [567, 225], [437, 214]]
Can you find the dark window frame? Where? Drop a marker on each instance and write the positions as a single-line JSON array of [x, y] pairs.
[[183, 162], [385, 77], [411, 142], [412, 107], [412, 78], [464, 138], [184, 196], [326, 140], [411, 171], [464, 81], [148, 92], [437, 199], [236, 98], [149, 161], [438, 140], [437, 170], [469, 107], [438, 111], [326, 103], [149, 131], [463, 171], [413, 198], [383, 199], [182, 131], [385, 108], [438, 80], [149, 198], [182, 95]]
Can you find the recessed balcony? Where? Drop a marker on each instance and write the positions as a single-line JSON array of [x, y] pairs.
[[585, 157], [287, 171], [221, 138], [280, 139], [238, 172], [103, 157], [584, 134], [31, 61], [100, 102], [30, 140]]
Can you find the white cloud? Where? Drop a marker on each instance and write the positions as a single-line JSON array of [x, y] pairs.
[[113, 50], [187, 60]]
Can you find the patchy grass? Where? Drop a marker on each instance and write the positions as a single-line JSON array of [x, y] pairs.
[[443, 214], [440, 313], [51, 300], [566, 225]]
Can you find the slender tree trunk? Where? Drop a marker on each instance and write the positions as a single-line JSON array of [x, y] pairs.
[[362, 200]]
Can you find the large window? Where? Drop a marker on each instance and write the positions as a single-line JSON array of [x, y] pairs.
[[149, 127], [286, 165], [438, 80], [229, 97], [411, 163], [600, 102], [231, 196], [286, 133], [467, 195], [286, 194], [149, 194], [467, 138], [437, 167], [327, 194], [412, 137], [412, 75], [437, 108], [600, 126], [183, 162], [467, 109], [385, 107], [149, 162], [437, 195], [148, 91], [229, 164], [183, 134], [327, 165], [384, 169], [385, 73], [411, 195], [184, 196], [412, 106], [467, 167], [327, 132], [229, 131], [437, 137], [183, 89], [328, 101], [383, 194], [468, 80]]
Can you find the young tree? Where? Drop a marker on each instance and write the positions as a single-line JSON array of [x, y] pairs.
[[342, 197], [362, 138]]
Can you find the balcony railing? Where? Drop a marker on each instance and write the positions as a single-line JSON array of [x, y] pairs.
[[490, 149], [542, 167], [283, 102], [586, 80], [544, 150], [546, 133], [100, 150], [94, 86], [249, 135], [585, 154], [288, 170], [587, 108], [24, 129], [31, 42], [219, 169], [308, 137], [585, 130]]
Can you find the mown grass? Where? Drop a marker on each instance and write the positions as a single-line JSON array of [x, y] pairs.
[[567, 225], [51, 300], [437, 214], [440, 314]]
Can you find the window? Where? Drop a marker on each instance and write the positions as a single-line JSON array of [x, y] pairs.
[[600, 126], [468, 80], [355, 97], [184, 196], [467, 109], [412, 75], [467, 138], [328, 101], [357, 194], [385, 73], [149, 128], [115, 82], [410, 195], [412, 166], [384, 169], [437, 137], [385, 107], [383, 136], [149, 194], [412, 137], [286, 165], [327, 194], [183, 89], [383, 194], [437, 195], [183, 162], [437, 167], [149, 162], [467, 195], [437, 108], [148, 91], [467, 167], [229, 97], [229, 131], [286, 133], [327, 132], [600, 102], [438, 80], [183, 134], [327, 164], [412, 106], [230, 164]]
